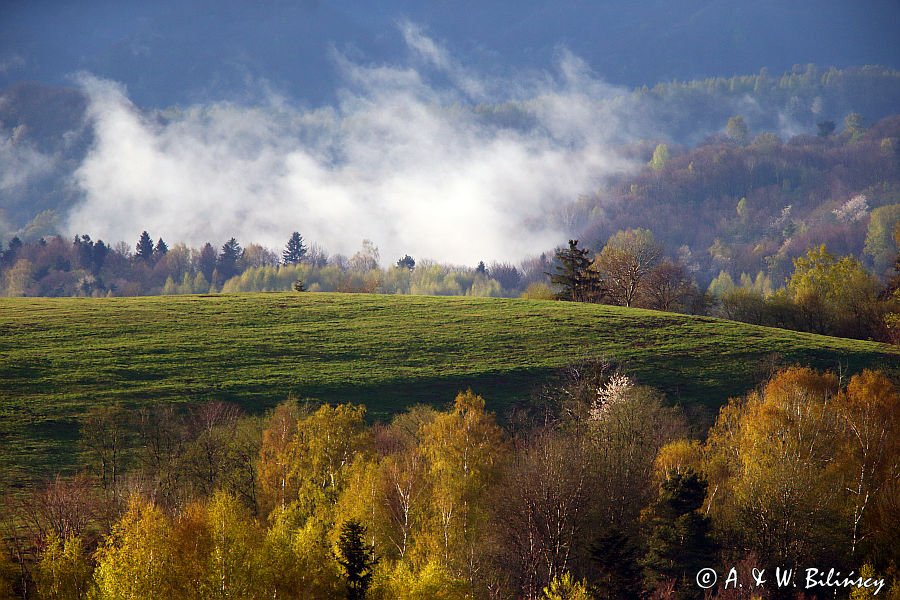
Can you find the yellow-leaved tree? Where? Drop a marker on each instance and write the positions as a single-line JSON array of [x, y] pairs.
[[870, 410], [806, 469], [277, 481], [462, 449], [64, 569], [191, 544], [326, 443], [834, 295], [235, 568], [785, 485], [137, 559], [303, 470]]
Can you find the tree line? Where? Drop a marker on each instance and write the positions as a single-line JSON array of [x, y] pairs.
[[824, 294], [594, 488], [84, 267]]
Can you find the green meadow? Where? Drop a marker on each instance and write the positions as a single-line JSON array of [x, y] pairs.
[[60, 356]]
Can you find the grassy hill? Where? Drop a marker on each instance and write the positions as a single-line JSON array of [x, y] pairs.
[[59, 356]]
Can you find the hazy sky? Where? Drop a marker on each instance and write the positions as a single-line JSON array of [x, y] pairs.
[[399, 160], [347, 121]]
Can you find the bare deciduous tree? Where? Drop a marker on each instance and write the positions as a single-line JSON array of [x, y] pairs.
[[625, 262]]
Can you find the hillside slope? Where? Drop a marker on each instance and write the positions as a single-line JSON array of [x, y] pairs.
[[58, 357]]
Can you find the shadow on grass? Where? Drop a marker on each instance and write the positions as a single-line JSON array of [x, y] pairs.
[[385, 399], [700, 384]]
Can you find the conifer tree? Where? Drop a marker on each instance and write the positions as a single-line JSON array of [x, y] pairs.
[[227, 264], [679, 541], [101, 251], [144, 248], [356, 559], [160, 250], [576, 280], [616, 558], [207, 262], [825, 128], [294, 251], [408, 262]]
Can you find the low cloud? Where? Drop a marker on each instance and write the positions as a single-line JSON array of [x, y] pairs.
[[19, 163], [402, 159]]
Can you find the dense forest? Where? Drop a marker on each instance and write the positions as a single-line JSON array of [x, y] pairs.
[[594, 489]]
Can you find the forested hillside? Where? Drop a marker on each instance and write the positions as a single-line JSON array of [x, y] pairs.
[[747, 201], [47, 133], [170, 445], [599, 491]]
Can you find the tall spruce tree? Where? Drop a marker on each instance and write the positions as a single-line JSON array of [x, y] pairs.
[[356, 559], [616, 558], [227, 265], [679, 541], [294, 251], [160, 250], [8, 257], [576, 279], [144, 247], [206, 263], [84, 251], [101, 251]]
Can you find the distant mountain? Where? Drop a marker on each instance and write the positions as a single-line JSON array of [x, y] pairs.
[[43, 139], [45, 135], [171, 52]]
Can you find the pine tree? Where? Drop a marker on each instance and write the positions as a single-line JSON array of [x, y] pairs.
[[101, 251], [9, 257], [160, 250], [144, 247], [207, 262], [294, 251], [679, 541], [825, 128], [616, 558], [84, 250], [577, 280], [407, 262], [356, 559], [227, 265]]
